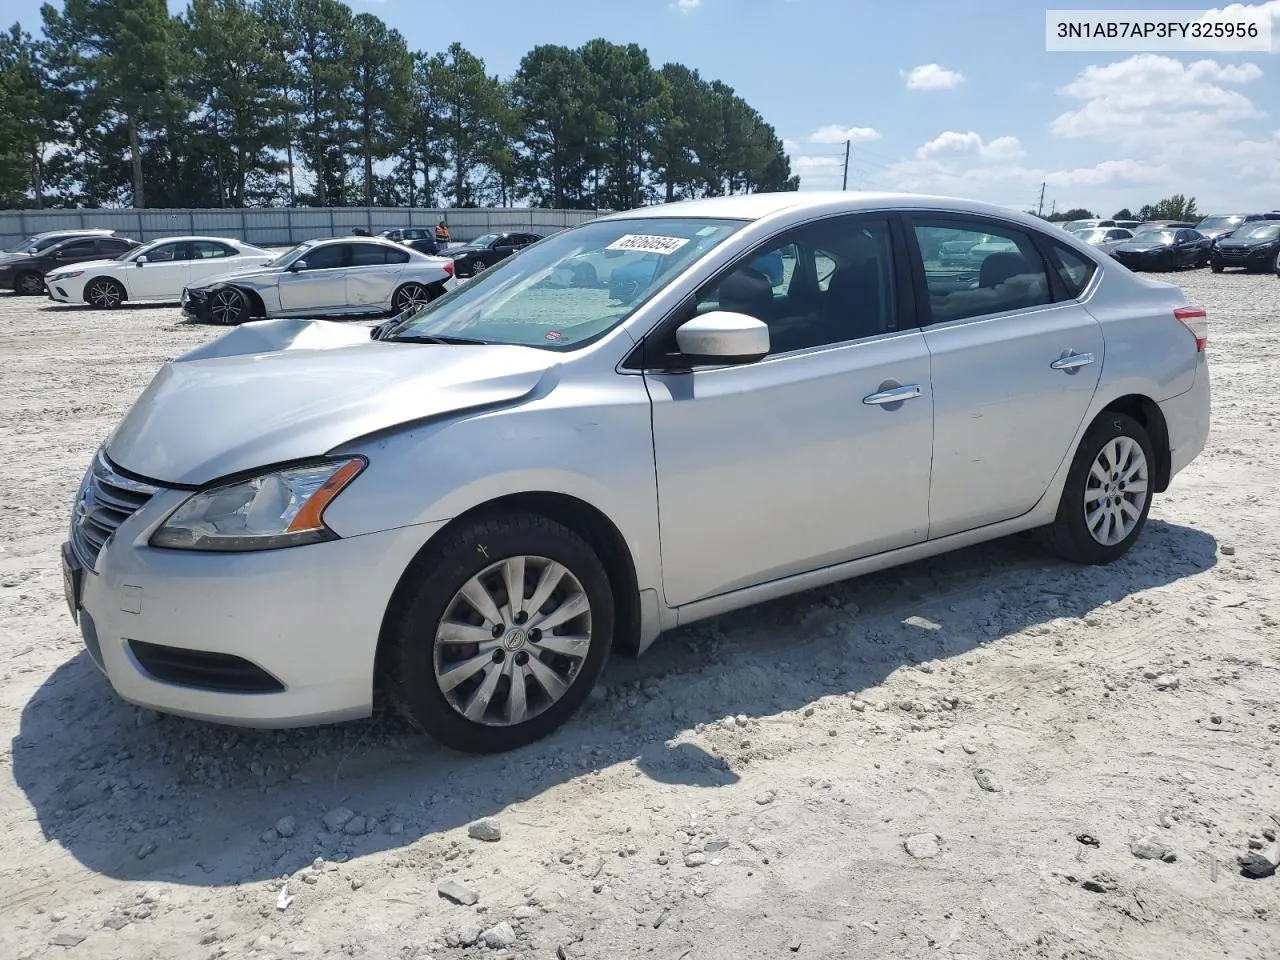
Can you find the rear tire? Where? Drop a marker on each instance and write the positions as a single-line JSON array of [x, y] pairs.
[[1107, 495], [28, 284], [443, 657], [104, 293]]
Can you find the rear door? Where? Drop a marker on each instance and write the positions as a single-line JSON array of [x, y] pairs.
[[1015, 360], [210, 258], [374, 273], [165, 273], [74, 251], [322, 286]]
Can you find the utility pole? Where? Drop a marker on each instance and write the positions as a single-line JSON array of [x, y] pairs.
[[845, 185], [1040, 208], [1053, 209]]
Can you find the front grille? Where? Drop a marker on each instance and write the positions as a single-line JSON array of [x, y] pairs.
[[202, 669], [107, 499]]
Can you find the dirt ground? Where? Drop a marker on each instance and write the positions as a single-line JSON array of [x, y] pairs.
[[988, 755]]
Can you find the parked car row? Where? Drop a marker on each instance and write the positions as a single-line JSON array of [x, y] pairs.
[[1247, 240]]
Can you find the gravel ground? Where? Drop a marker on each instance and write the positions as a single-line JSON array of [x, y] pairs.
[[987, 755]]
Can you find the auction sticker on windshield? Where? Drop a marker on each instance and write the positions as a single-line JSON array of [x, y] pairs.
[[648, 243]]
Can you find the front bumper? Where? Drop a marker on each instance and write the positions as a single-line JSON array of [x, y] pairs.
[[195, 306], [1258, 259], [309, 617]]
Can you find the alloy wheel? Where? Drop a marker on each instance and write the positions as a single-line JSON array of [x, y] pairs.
[[411, 298], [1115, 491], [104, 294], [512, 640], [477, 267], [30, 284], [227, 307]]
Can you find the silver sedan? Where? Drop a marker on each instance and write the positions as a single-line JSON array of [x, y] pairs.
[[470, 509], [322, 278]]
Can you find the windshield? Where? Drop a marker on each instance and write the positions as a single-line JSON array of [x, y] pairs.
[[1092, 236], [39, 243], [1153, 236], [1075, 225], [1258, 231], [135, 252], [570, 288], [485, 241], [1219, 223]]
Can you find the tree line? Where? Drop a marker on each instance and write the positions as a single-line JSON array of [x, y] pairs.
[[239, 103], [1177, 207]]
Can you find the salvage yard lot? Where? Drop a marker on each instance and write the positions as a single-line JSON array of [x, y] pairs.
[[956, 759]]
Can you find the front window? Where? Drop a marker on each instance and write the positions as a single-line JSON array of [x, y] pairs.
[[571, 288], [290, 255]]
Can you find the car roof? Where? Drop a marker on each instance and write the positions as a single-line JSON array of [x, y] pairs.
[[74, 231], [183, 239], [758, 206]]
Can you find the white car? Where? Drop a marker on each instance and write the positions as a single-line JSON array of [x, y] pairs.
[[154, 271], [341, 276]]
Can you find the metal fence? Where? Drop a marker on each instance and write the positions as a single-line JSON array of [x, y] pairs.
[[285, 225]]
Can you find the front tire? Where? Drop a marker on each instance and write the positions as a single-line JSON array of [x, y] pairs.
[[104, 293], [1107, 495], [482, 672], [28, 284], [228, 307], [1216, 266]]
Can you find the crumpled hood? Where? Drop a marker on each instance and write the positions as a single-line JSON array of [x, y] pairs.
[[244, 273], [280, 390]]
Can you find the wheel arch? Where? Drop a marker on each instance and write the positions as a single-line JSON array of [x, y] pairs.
[[1147, 412], [583, 518]]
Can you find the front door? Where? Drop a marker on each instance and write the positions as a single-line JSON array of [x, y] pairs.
[[815, 455], [165, 273], [322, 286], [1013, 371]]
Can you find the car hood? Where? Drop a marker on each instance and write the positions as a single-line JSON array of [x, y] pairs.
[[8, 258], [1243, 243], [244, 273], [465, 248], [282, 390], [74, 267], [1146, 247]]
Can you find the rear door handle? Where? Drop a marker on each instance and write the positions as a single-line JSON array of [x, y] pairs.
[[1072, 361], [894, 395]]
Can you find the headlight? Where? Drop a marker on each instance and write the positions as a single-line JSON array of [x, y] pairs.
[[284, 508], [65, 276]]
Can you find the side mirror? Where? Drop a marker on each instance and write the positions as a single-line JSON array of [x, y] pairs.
[[723, 337], [298, 265], [141, 261]]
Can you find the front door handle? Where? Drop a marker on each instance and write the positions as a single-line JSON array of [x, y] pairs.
[[894, 395], [1072, 361]]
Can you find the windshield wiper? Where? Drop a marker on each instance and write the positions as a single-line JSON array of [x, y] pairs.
[[424, 338]]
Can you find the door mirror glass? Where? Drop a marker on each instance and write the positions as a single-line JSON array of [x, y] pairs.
[[723, 337], [298, 265], [141, 261]]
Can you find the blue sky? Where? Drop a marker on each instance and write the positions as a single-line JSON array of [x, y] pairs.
[[938, 95]]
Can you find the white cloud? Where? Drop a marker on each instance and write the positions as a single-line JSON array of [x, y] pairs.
[[1233, 10], [817, 165], [789, 146], [950, 142], [1155, 100], [931, 76], [834, 133], [686, 6]]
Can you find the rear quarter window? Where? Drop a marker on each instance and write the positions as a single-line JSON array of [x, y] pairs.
[[1075, 270]]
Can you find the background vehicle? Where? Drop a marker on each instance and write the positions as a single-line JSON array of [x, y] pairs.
[[1071, 226], [1253, 246], [24, 272], [472, 508], [322, 278], [1163, 248], [407, 235], [154, 271], [482, 253], [47, 239], [1129, 224], [1217, 226], [1105, 239], [634, 279], [1165, 225]]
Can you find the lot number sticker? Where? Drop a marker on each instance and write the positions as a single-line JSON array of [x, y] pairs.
[[648, 243]]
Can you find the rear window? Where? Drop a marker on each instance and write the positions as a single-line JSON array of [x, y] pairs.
[[1075, 270]]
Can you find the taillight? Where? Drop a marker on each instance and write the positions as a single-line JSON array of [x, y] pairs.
[[1197, 321], [448, 267]]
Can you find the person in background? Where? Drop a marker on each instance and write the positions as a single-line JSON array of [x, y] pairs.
[[442, 232]]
